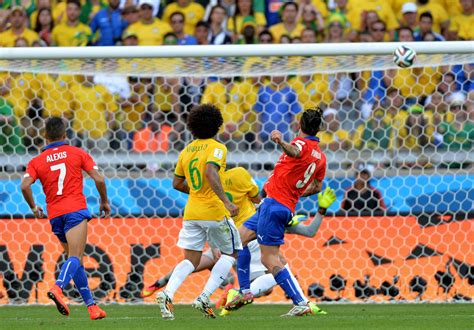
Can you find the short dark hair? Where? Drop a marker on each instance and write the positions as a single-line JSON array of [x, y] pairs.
[[290, 3], [202, 24], [55, 128], [76, 2], [265, 32], [310, 121], [178, 13], [204, 121], [426, 14]]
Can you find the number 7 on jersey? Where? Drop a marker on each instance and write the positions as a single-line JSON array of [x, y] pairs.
[[62, 174]]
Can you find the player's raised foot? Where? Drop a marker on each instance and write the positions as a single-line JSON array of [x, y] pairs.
[[56, 295], [223, 298], [203, 304], [238, 300], [96, 313], [166, 305], [149, 290], [299, 310], [224, 312], [315, 310]]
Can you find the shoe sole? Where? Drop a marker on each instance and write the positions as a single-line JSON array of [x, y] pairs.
[[238, 305], [98, 318], [165, 308], [208, 312], [62, 309]]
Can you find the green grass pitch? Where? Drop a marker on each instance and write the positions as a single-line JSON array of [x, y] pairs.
[[361, 316]]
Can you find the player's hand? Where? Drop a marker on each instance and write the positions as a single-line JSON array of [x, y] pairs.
[[38, 212], [326, 198], [276, 136], [104, 209], [216, 253], [297, 218], [232, 208]]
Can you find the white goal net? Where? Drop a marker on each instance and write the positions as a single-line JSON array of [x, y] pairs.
[[399, 144]]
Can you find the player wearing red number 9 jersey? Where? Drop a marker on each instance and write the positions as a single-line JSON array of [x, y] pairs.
[[292, 176], [299, 172], [59, 168]]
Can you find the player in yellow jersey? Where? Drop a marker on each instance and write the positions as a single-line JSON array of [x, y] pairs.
[[206, 218], [242, 190]]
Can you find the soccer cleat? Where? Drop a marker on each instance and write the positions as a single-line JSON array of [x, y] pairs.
[[204, 306], [56, 295], [96, 313], [238, 300], [315, 310], [224, 312], [166, 305], [149, 290], [223, 298], [299, 310]]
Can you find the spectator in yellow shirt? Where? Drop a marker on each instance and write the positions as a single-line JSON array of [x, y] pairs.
[[416, 134], [194, 13], [289, 25], [358, 9], [72, 32], [17, 89], [55, 91], [244, 8], [150, 30], [462, 25], [440, 15], [409, 15], [18, 21], [333, 137], [93, 109]]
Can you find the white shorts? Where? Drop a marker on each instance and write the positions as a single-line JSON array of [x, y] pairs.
[[256, 267], [222, 235]]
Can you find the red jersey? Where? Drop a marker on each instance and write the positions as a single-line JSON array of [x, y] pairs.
[[59, 169], [291, 176]]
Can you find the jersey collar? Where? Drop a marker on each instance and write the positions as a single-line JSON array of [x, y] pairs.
[[54, 145], [313, 138]]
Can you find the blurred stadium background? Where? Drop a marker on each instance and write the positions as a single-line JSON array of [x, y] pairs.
[[399, 141]]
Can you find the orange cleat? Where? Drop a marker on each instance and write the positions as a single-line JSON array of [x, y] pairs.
[[96, 312], [56, 295]]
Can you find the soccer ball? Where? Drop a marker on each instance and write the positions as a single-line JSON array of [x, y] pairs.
[[404, 56]]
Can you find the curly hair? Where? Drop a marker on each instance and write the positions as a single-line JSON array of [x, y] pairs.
[[204, 121], [311, 120]]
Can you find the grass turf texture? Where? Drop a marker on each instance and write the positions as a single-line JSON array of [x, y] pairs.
[[363, 316]]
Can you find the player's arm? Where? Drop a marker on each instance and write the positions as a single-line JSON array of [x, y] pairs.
[[325, 200], [289, 149], [180, 184], [99, 181], [28, 195], [257, 199], [212, 175], [313, 188]]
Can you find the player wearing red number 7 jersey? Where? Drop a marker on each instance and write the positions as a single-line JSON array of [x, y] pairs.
[[299, 172], [59, 168]]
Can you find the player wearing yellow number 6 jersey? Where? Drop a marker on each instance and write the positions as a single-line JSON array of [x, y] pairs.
[[206, 218], [242, 190]]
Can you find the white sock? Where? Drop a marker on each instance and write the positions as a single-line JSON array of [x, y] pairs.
[[262, 284], [218, 274], [298, 287], [180, 272]]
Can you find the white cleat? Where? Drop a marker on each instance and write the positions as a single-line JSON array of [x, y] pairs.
[[299, 310], [204, 306], [166, 305]]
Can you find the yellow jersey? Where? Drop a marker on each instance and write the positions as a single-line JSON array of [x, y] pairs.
[[260, 19], [381, 7], [463, 25], [239, 187], [341, 136], [20, 90], [312, 92], [55, 91], [64, 35], [279, 30], [7, 38], [193, 13], [131, 114], [203, 203], [440, 15], [90, 106], [150, 34]]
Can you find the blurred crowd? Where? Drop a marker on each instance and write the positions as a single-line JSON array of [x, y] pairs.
[[410, 109]]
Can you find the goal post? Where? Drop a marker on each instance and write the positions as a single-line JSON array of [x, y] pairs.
[[410, 131]]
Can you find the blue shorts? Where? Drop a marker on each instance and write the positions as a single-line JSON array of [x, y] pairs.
[[269, 222], [62, 224]]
